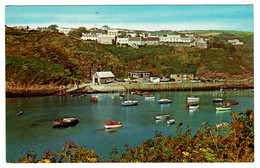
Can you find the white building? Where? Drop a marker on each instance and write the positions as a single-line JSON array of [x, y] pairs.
[[86, 36], [112, 32], [120, 41], [106, 39], [102, 77], [135, 41], [235, 42]]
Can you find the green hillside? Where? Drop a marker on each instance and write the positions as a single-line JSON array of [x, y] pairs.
[[34, 57]]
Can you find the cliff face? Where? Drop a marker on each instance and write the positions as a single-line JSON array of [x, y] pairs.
[[34, 57]]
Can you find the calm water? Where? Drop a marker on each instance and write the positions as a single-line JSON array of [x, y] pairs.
[[33, 130]]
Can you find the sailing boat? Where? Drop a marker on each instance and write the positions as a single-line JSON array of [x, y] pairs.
[[129, 102], [164, 100], [192, 98], [218, 100], [222, 107]]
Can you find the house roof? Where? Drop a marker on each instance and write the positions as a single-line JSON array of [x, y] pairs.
[[151, 39], [105, 74], [134, 39]]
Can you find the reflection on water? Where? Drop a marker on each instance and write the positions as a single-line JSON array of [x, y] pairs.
[[33, 130]]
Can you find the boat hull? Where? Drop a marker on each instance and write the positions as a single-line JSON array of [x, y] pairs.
[[164, 101], [66, 122], [112, 126], [169, 122], [162, 117], [217, 100], [223, 108], [129, 103]]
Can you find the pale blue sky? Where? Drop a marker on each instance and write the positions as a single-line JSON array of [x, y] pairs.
[[147, 17]]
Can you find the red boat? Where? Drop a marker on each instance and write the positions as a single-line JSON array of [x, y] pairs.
[[94, 99], [191, 104], [113, 124], [232, 103]]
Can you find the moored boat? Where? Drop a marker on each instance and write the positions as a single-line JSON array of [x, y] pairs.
[[232, 103], [161, 117], [191, 104], [172, 121], [223, 108], [149, 98], [193, 98], [65, 122], [20, 112], [129, 103], [94, 99], [194, 107], [113, 124], [217, 100], [164, 101], [221, 125]]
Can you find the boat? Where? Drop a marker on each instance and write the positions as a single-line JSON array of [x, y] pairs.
[[194, 107], [193, 98], [113, 124], [149, 98], [221, 125], [111, 130], [223, 108], [129, 103], [172, 121], [94, 99], [20, 112], [65, 122], [164, 101], [217, 100], [232, 103], [191, 104], [161, 117]]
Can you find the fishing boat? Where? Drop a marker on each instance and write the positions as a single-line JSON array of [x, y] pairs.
[[161, 117], [20, 112], [94, 99], [129, 103], [149, 98], [194, 107], [66, 122], [191, 104], [223, 108], [172, 121], [113, 124], [217, 100], [164, 101], [232, 103]]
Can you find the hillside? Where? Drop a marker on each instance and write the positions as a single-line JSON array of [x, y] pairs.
[[34, 57]]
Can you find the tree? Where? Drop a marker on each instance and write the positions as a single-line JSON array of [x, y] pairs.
[[53, 28], [78, 32]]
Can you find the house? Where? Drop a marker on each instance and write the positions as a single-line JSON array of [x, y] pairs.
[[201, 43], [86, 36], [139, 74], [112, 32], [235, 42], [182, 77], [103, 77], [106, 39], [151, 41], [135, 41], [121, 41]]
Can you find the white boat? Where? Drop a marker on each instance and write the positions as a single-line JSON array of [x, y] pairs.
[[223, 108], [221, 125], [169, 122], [149, 98], [113, 124], [161, 117], [193, 98], [194, 107], [164, 101], [129, 103]]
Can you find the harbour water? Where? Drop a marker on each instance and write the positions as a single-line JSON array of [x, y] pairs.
[[33, 130]]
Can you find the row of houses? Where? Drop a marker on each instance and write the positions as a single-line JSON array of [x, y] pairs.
[[112, 38], [107, 77]]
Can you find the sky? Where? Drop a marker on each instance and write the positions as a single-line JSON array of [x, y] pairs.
[[142, 17]]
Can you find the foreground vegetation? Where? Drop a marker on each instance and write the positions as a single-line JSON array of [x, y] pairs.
[[233, 143], [34, 57]]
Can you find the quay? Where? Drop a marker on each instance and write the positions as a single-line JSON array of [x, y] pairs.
[[162, 86]]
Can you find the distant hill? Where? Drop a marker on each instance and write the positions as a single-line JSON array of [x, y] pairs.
[[34, 57]]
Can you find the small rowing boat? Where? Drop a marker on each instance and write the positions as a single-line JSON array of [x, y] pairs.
[[161, 117], [113, 124]]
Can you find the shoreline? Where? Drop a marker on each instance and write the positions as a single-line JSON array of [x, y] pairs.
[[46, 90]]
